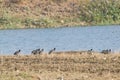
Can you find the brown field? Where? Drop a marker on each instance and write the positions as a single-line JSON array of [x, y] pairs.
[[71, 65]]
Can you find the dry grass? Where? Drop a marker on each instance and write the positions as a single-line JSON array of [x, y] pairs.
[[71, 65], [57, 13]]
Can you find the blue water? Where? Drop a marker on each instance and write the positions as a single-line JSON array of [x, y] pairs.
[[76, 38]]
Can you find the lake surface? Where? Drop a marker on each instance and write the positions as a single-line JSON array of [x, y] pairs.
[[77, 38]]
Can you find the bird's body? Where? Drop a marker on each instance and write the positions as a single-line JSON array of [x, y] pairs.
[[106, 51], [35, 51], [51, 51], [17, 52], [90, 51], [41, 51]]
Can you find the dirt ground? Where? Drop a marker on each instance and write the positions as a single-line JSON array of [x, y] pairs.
[[71, 65]]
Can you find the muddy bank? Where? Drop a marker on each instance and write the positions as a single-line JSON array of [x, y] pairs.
[[70, 66]]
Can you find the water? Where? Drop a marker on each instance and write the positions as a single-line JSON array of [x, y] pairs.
[[77, 38]]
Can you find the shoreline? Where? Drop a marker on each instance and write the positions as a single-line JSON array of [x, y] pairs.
[[70, 52], [63, 27]]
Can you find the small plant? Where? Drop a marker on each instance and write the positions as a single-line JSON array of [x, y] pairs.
[[42, 22], [3, 21], [15, 1], [27, 22], [59, 1]]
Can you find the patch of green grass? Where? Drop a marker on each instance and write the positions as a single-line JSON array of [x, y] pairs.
[[24, 75], [39, 23], [101, 12]]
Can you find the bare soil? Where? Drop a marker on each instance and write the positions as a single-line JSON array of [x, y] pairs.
[[67, 65]]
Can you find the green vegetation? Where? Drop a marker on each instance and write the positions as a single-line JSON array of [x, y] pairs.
[[102, 12], [54, 13]]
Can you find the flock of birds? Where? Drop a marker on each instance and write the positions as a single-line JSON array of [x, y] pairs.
[[107, 51], [39, 51], [36, 51]]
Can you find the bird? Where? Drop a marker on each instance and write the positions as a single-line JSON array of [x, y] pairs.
[[107, 51], [33, 52], [36, 51], [41, 51], [17, 52], [90, 51], [51, 50]]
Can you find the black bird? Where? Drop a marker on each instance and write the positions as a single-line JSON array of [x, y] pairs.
[[41, 51], [17, 52], [106, 51], [35, 51], [51, 50], [90, 51]]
